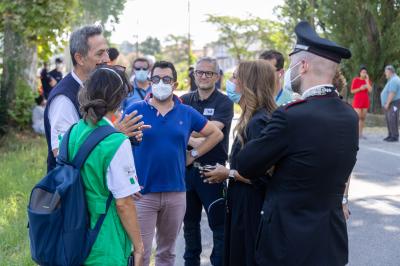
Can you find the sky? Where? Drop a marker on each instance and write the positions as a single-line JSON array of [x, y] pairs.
[[159, 18]]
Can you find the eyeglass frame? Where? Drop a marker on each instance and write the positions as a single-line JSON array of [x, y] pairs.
[[207, 74], [162, 78]]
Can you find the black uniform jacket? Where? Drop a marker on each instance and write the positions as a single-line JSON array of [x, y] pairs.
[[313, 145]]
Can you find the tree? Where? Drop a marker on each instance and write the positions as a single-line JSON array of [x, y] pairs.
[[101, 11], [34, 29], [176, 49], [369, 28], [241, 34], [150, 46], [27, 25]]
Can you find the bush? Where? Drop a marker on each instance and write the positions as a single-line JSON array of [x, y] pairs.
[[20, 110]]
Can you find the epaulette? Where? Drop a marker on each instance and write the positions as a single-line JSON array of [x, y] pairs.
[[293, 103]]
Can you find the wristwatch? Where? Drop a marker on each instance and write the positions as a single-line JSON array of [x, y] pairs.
[[231, 175], [194, 153], [345, 200]]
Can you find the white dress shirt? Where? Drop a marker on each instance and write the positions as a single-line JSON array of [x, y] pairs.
[[62, 115]]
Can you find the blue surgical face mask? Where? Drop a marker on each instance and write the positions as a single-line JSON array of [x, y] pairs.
[[231, 92], [141, 75], [287, 80]]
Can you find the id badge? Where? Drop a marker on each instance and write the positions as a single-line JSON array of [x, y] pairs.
[[208, 112]]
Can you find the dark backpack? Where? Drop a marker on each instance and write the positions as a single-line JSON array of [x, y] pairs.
[[59, 221]]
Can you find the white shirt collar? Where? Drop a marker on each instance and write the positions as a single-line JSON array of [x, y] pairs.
[[108, 121], [76, 78], [318, 86]]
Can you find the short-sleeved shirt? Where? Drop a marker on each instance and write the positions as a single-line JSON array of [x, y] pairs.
[[392, 85], [217, 107], [160, 159], [136, 95]]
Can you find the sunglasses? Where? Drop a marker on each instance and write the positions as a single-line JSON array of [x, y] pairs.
[[141, 68], [208, 74], [165, 80]]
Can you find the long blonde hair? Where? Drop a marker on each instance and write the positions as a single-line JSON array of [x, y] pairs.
[[257, 80]]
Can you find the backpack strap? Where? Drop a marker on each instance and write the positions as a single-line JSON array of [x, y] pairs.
[[63, 150], [86, 148], [90, 143]]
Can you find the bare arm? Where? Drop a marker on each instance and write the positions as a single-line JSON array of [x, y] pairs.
[[127, 213], [213, 136], [196, 139], [220, 173]]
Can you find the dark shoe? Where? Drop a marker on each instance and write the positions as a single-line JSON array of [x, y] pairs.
[[388, 137], [392, 140]]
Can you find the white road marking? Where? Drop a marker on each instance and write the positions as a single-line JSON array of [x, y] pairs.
[[383, 151]]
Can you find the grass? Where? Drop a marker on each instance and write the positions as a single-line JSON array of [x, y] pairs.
[[22, 164]]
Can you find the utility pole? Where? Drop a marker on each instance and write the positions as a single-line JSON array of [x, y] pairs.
[[189, 41]]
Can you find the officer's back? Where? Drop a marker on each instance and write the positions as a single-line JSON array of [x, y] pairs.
[[311, 145]]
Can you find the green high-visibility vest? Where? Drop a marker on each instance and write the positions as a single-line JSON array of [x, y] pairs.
[[112, 246]]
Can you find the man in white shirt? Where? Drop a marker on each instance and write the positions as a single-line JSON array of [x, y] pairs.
[[88, 48]]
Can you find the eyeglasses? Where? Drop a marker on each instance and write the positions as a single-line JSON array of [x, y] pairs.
[[208, 74], [141, 68], [165, 79]]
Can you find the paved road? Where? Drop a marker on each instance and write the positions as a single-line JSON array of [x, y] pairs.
[[374, 226]]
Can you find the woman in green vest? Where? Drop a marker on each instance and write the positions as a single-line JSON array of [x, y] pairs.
[[109, 169]]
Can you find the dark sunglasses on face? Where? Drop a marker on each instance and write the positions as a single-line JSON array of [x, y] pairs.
[[208, 74], [141, 68], [165, 80]]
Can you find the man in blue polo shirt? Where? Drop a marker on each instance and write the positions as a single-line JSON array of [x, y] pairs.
[[218, 109], [161, 159]]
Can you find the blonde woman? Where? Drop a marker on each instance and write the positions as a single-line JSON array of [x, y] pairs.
[[252, 87]]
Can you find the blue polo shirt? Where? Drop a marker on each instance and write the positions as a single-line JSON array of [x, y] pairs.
[[160, 159]]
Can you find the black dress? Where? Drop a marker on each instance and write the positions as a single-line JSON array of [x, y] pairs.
[[244, 203]]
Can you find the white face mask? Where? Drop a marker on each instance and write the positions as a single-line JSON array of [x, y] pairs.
[[287, 81], [161, 91]]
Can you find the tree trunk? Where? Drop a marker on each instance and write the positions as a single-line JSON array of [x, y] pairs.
[[19, 62], [11, 68]]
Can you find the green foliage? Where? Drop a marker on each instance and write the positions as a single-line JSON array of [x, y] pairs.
[[176, 49], [369, 28], [22, 158], [241, 34], [20, 110], [101, 11], [39, 22], [150, 46]]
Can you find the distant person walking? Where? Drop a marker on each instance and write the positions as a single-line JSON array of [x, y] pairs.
[[38, 115], [361, 86], [390, 100]]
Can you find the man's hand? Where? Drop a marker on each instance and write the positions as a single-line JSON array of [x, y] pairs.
[[218, 175], [195, 142], [346, 211], [137, 195], [130, 126], [386, 106], [189, 158]]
